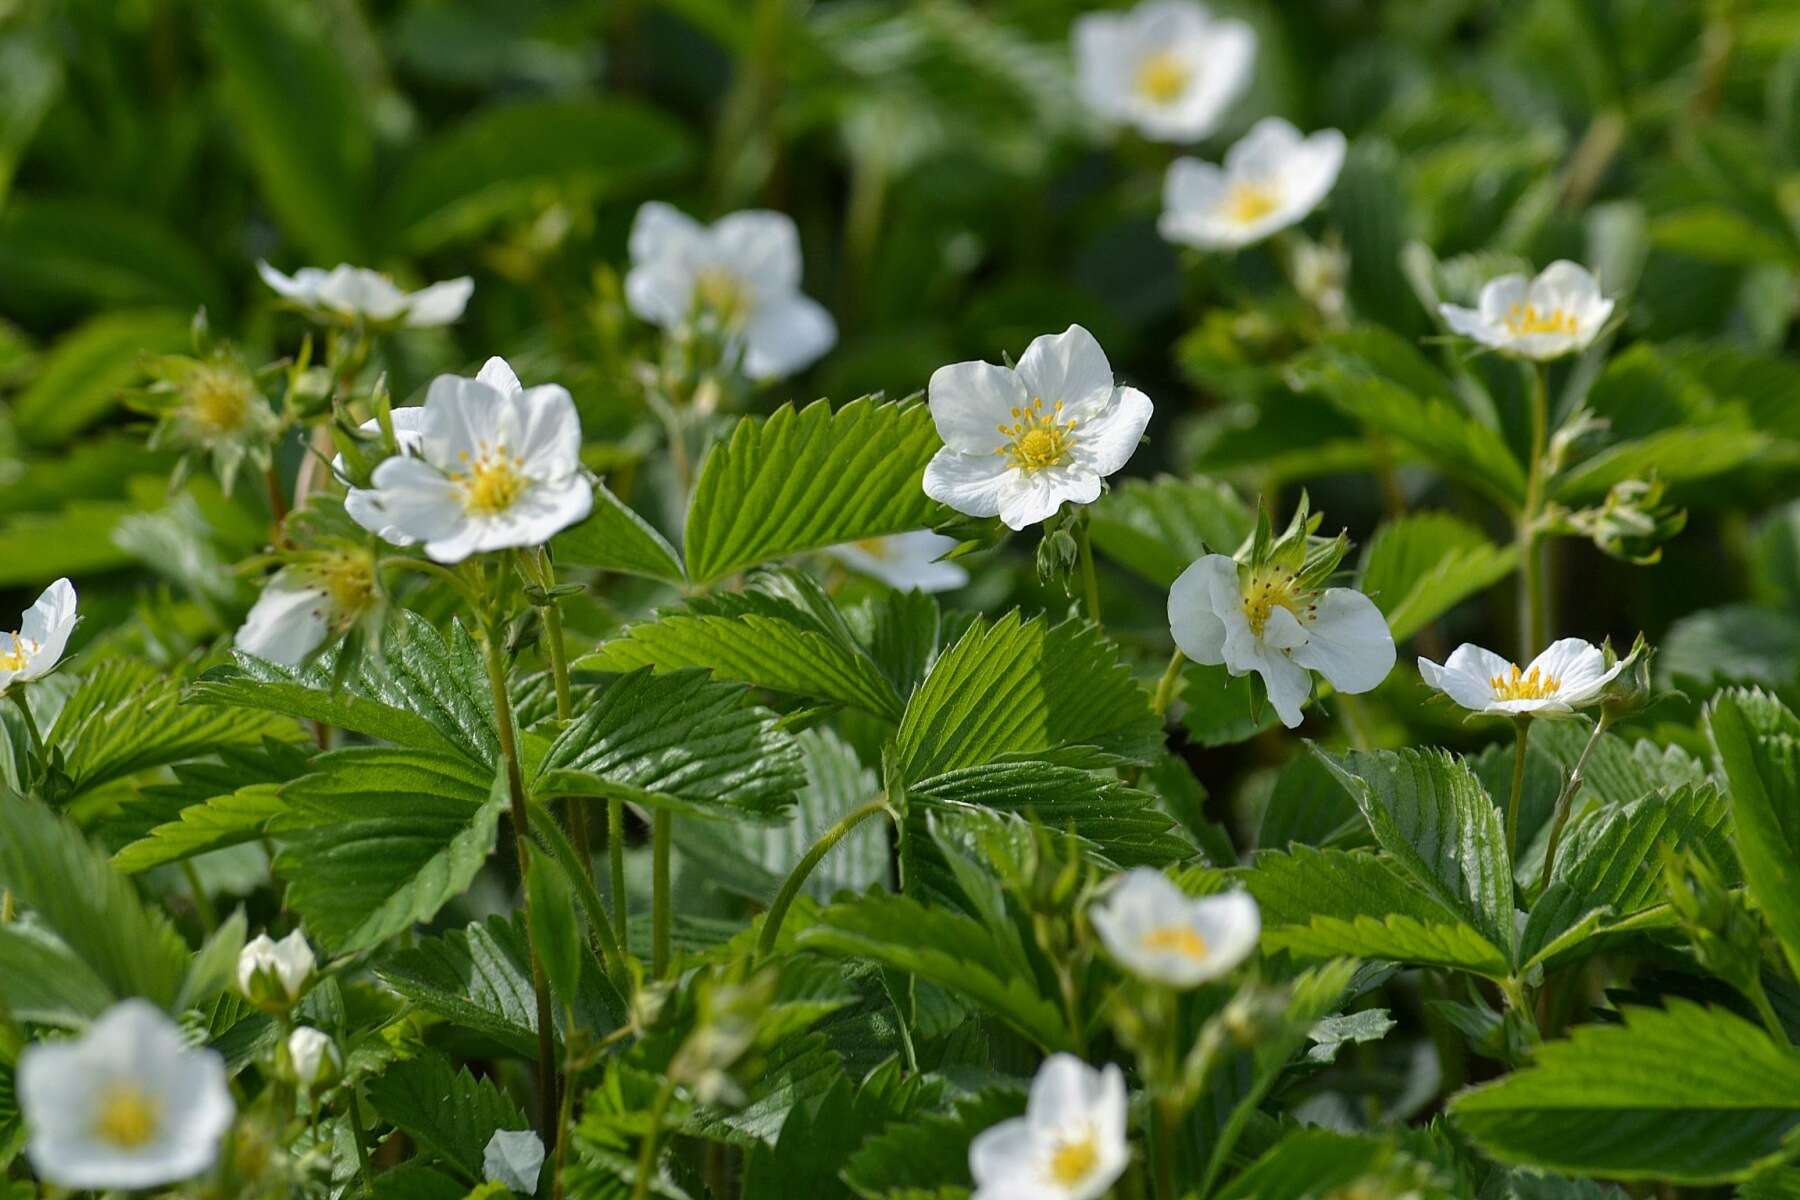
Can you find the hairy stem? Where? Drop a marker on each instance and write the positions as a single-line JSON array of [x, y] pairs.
[[615, 866], [1090, 581], [575, 812], [790, 887], [1521, 735], [1565, 799], [662, 831], [1167, 686], [1531, 578], [605, 942], [17, 696]]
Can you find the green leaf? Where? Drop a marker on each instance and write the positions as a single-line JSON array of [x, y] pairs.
[[1024, 688], [1371, 205], [1758, 743], [380, 839], [84, 375], [104, 254], [1714, 233], [1312, 1162], [676, 740], [822, 1132], [446, 1110], [1420, 566], [1686, 1095], [514, 161], [75, 541], [1159, 527], [1736, 643], [227, 820], [1675, 455], [1220, 709], [919, 1157], [555, 928], [807, 479], [615, 538]]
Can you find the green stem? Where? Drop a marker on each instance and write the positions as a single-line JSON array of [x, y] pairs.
[[640, 1189], [1521, 735], [357, 1135], [1566, 799], [17, 696], [606, 942], [1531, 581], [1163, 1119], [564, 1114], [1168, 684], [521, 822], [203, 905], [662, 831], [790, 887], [1760, 998], [1089, 580], [575, 812], [615, 867]]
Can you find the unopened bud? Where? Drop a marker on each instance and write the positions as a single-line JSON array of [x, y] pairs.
[[273, 975]]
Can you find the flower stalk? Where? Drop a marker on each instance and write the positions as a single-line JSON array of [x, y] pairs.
[[1531, 565], [790, 887], [1090, 580], [662, 834], [1521, 737], [1566, 798]]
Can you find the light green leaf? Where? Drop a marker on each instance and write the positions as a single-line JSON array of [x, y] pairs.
[[1675, 455], [1315, 1162], [230, 819], [1735, 643], [1420, 566], [1758, 743], [447, 1111], [84, 374], [1713, 233], [104, 254], [927, 1158], [615, 538], [1159, 527]]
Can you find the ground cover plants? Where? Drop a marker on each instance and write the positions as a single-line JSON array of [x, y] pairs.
[[899, 601]]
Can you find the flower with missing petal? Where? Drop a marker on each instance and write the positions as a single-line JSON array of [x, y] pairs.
[[1157, 932], [307, 603], [513, 1159], [1069, 1145], [1559, 312], [359, 294], [905, 561], [1569, 675], [43, 635], [741, 272], [495, 465], [1169, 68], [1019, 441], [1272, 178], [272, 974], [126, 1105]]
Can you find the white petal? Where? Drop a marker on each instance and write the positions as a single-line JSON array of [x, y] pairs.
[[1579, 666], [1499, 296], [973, 484], [549, 431], [463, 419], [1063, 1094], [660, 292], [761, 247], [1002, 1156], [1347, 641], [905, 561], [1106, 441], [1193, 619], [785, 336], [514, 1158], [1262, 152], [1308, 177], [1225, 58], [969, 402], [1069, 366], [1465, 675], [357, 291], [48, 623], [287, 623], [288, 287], [1030, 497], [416, 500], [661, 231], [498, 374], [1105, 61], [439, 304], [1469, 323]]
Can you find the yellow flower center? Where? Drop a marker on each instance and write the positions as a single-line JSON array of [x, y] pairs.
[[1525, 319], [1246, 203], [1073, 1161], [1524, 686], [1162, 78], [128, 1116], [349, 581], [1037, 439], [21, 652], [1175, 939], [1270, 588], [723, 294], [218, 400], [491, 483]]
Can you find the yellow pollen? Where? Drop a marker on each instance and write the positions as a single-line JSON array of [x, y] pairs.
[[1269, 589], [1163, 77], [1037, 439], [1071, 1162], [128, 1117], [491, 483], [218, 400], [1246, 203], [724, 295], [1175, 939], [1524, 686], [1524, 319], [349, 581], [16, 658]]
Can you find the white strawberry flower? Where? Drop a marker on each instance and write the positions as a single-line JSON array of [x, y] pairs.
[[1169, 68], [1018, 442], [126, 1105], [357, 293], [1266, 619], [1272, 178], [274, 974], [1559, 312], [1158, 932], [513, 1159], [313, 1059], [1069, 1145], [495, 465], [905, 561], [1568, 675], [742, 271], [43, 634], [306, 603]]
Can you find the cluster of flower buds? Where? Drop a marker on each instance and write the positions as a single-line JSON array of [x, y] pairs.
[[1632, 523]]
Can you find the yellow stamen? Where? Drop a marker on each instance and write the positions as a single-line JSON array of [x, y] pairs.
[[16, 658], [1247, 203], [348, 579], [1271, 588], [1524, 686], [1525, 319], [128, 1116], [1175, 939], [492, 482], [1073, 1161], [1037, 439], [724, 295], [1163, 77]]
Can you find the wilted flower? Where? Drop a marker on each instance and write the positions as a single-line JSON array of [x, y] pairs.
[[1069, 1145], [43, 635], [742, 273], [1559, 312], [1018, 442], [497, 465], [513, 1159], [312, 1058], [1273, 615], [213, 406], [271, 974], [906, 561], [1168, 67], [357, 293], [126, 1105], [1272, 178], [1567, 676], [1159, 933], [308, 602]]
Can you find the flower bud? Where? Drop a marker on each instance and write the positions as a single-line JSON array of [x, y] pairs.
[[1631, 690], [309, 1059], [273, 975]]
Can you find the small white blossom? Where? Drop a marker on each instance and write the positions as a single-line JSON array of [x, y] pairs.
[[743, 271], [273, 973], [905, 561], [1568, 675], [1018, 442], [513, 1159], [313, 1058], [1168, 67], [1559, 312], [495, 465], [1069, 1145], [1264, 619], [305, 603], [1159, 933], [126, 1105], [1272, 178], [358, 293], [43, 635]]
